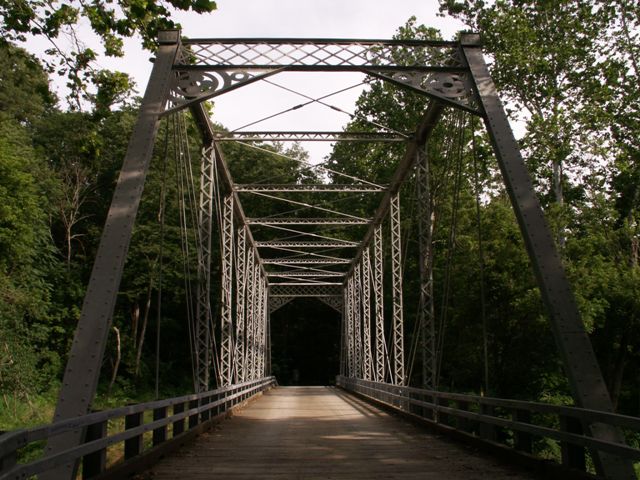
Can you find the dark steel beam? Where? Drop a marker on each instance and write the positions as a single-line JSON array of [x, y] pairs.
[[303, 274], [291, 244], [305, 187], [308, 221], [309, 137], [305, 261], [428, 122], [206, 130], [87, 349], [581, 365], [316, 54]]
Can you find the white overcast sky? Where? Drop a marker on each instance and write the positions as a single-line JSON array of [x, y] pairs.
[[287, 18]]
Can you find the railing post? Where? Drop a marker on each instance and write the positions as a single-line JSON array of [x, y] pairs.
[[132, 446], [193, 419], [573, 456], [487, 430], [9, 460], [178, 425], [429, 412], [160, 433], [524, 441], [462, 422], [442, 417], [93, 464], [206, 414]]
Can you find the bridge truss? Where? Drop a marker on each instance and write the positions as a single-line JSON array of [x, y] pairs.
[[346, 275]]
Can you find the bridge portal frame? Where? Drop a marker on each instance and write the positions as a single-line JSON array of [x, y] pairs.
[[188, 72]]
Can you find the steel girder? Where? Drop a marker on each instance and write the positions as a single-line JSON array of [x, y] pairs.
[[308, 188], [318, 54], [308, 221], [334, 302], [301, 274], [425, 244], [203, 298], [251, 314], [351, 366], [226, 316], [588, 386], [357, 319], [366, 315], [310, 137], [397, 321], [276, 303], [305, 261], [378, 301], [87, 349], [241, 286]]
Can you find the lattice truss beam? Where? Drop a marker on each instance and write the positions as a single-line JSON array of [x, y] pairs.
[[243, 287]]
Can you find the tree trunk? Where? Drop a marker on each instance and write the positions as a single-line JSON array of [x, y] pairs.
[[615, 384], [116, 365], [135, 319], [145, 321]]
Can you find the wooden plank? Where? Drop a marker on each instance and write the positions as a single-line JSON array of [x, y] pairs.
[[321, 432]]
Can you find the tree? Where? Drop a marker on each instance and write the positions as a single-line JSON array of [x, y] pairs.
[[112, 22]]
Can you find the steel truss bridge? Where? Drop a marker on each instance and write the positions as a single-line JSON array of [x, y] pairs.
[[346, 274]]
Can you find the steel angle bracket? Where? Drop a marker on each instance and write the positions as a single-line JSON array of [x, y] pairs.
[[195, 86], [333, 302], [452, 88], [276, 303]]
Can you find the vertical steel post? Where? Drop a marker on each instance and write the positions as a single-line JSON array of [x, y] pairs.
[[203, 295], [87, 350], [350, 337], [261, 330], [251, 280], [576, 351], [241, 275], [378, 299], [425, 240], [357, 319], [366, 314], [396, 285], [268, 368], [256, 320], [226, 316]]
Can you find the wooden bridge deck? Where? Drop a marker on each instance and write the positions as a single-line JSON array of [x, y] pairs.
[[324, 433]]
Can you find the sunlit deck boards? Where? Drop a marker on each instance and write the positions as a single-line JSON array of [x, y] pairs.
[[323, 433]]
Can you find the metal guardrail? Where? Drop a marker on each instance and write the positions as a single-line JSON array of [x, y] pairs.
[[187, 413], [510, 423]]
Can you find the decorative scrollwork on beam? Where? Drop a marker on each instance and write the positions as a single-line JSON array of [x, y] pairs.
[[454, 88], [333, 302], [195, 86]]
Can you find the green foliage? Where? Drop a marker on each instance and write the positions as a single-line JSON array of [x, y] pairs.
[[112, 22]]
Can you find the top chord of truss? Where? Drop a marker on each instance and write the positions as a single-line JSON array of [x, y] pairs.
[[302, 187], [319, 54], [310, 137]]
